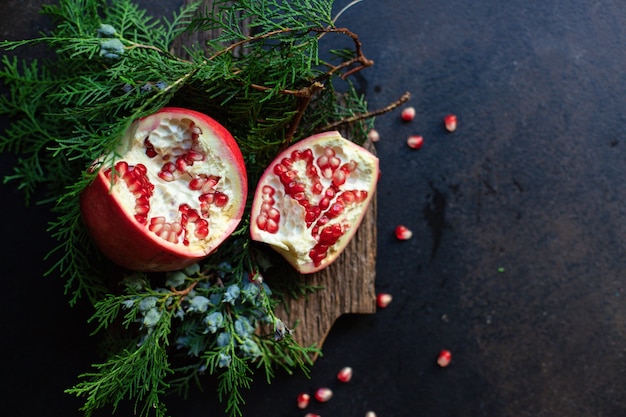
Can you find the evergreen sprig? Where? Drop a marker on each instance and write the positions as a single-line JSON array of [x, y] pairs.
[[262, 75]]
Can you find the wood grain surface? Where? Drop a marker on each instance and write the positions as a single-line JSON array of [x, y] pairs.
[[348, 288]]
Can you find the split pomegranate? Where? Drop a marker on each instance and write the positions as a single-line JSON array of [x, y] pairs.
[[170, 193], [311, 199]]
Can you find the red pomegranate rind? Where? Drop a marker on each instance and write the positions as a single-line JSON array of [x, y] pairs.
[[176, 189], [311, 199]]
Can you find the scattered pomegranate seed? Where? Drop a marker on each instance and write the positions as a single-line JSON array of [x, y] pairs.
[[408, 114], [370, 414], [323, 394], [311, 415], [415, 141], [303, 400], [403, 233], [444, 358], [383, 299], [450, 122], [345, 374], [373, 135]]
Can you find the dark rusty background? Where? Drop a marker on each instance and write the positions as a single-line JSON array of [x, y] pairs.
[[517, 264]]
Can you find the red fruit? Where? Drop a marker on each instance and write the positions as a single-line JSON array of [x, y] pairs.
[[323, 394], [311, 199], [403, 233], [444, 358], [408, 114], [303, 400], [345, 374], [373, 135], [450, 122], [172, 191], [415, 141], [383, 300]]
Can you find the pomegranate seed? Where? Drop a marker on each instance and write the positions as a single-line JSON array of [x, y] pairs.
[[311, 415], [323, 394], [182, 164], [370, 414], [303, 400], [268, 190], [194, 156], [345, 374], [339, 178], [272, 226], [202, 229], [450, 122], [373, 135], [349, 167], [335, 210], [383, 299], [408, 114], [444, 358], [403, 233], [415, 141], [221, 199]]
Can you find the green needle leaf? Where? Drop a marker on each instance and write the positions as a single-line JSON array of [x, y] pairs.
[[264, 77]]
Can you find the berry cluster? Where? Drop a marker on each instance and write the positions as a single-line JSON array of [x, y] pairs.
[[218, 312]]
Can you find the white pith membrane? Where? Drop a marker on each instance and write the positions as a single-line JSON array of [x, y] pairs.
[[300, 224], [185, 195]]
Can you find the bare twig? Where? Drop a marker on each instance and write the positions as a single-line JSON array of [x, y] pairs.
[[302, 106], [248, 40], [302, 92], [181, 293], [348, 120], [134, 45], [358, 51], [359, 56]]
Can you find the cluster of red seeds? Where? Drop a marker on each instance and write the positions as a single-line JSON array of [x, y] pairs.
[[138, 184], [417, 141], [324, 394], [318, 215], [204, 183], [185, 158]]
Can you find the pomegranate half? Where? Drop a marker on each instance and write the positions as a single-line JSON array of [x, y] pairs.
[[170, 193], [311, 199]]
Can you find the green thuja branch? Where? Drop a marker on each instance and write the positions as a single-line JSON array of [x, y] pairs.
[[264, 77], [212, 314]]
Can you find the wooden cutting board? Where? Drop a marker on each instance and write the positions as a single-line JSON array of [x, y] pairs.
[[348, 287], [348, 283]]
